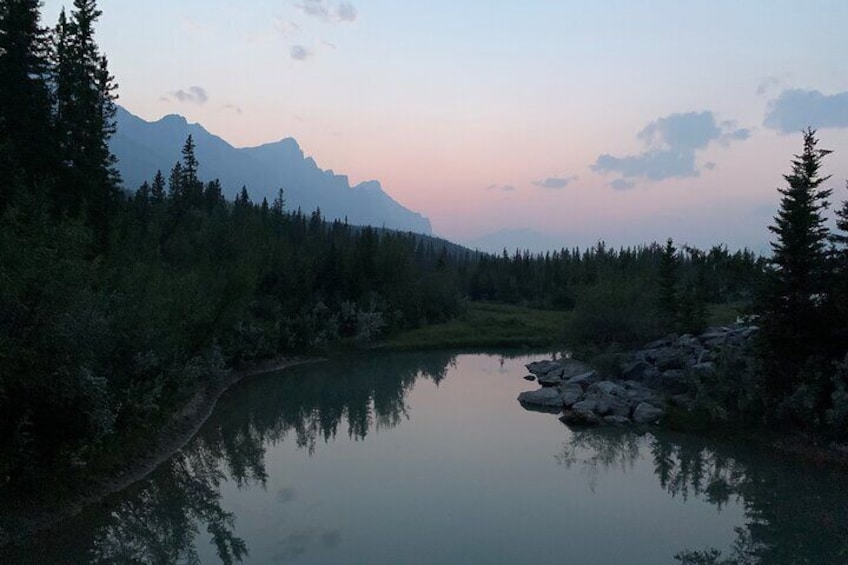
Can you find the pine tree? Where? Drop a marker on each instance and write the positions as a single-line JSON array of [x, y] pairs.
[[667, 294], [793, 317], [26, 132], [85, 119], [157, 190]]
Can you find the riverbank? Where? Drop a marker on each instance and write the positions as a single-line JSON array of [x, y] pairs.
[[170, 438]]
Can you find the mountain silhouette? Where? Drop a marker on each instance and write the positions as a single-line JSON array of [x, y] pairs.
[[144, 147]]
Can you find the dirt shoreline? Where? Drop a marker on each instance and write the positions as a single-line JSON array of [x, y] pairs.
[[172, 437]]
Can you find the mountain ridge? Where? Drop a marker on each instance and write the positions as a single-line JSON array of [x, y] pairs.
[[144, 147]]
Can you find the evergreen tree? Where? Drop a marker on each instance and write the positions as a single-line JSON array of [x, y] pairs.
[[25, 107], [667, 285], [157, 190], [85, 120], [793, 316]]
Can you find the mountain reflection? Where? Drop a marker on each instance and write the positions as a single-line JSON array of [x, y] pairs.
[[788, 519], [160, 519]]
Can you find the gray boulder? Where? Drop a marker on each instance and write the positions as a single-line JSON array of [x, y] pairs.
[[580, 418], [546, 396], [551, 378], [635, 370], [646, 413], [585, 380], [614, 420], [540, 368], [573, 367], [571, 393]]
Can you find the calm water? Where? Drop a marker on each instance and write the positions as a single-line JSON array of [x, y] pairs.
[[429, 458]]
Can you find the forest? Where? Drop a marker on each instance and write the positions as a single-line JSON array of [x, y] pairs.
[[117, 303]]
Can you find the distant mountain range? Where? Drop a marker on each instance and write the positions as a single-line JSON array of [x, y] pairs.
[[144, 147]]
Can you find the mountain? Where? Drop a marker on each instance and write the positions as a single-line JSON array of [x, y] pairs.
[[144, 147]]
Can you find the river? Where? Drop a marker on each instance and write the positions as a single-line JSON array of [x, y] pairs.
[[429, 458]]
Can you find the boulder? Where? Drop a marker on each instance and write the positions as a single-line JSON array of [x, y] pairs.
[[573, 367], [635, 370], [529, 377], [571, 393], [580, 418], [540, 368], [646, 413], [551, 378], [585, 380], [546, 396], [613, 420], [584, 406]]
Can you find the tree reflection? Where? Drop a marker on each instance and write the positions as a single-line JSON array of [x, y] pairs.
[[790, 517], [160, 519]]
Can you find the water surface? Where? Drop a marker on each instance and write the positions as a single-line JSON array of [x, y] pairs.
[[429, 458]]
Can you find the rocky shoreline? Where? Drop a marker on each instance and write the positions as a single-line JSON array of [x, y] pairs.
[[652, 379]]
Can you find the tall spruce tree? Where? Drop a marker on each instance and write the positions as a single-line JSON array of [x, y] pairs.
[[85, 119], [794, 327], [667, 290], [25, 103]]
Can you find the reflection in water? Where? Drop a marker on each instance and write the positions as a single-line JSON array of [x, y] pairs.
[[159, 519], [789, 518]]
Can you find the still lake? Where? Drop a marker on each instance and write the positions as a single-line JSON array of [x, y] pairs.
[[429, 458]]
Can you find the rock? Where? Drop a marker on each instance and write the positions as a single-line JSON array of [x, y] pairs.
[[609, 398], [703, 367], [551, 378], [585, 406], [546, 396], [571, 393], [604, 388], [637, 393], [668, 358], [529, 378], [635, 370], [540, 368], [646, 413], [573, 367], [579, 418], [584, 379], [617, 420]]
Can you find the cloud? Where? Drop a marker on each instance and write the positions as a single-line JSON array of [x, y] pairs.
[[796, 109], [671, 146], [346, 12], [285, 27], [554, 182], [192, 95], [621, 184], [234, 108], [299, 53], [710, 166], [502, 187], [328, 11]]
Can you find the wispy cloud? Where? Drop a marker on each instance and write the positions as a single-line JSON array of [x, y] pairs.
[[671, 146], [191, 95], [797, 109], [501, 187], [554, 183], [234, 108], [299, 53], [328, 11], [621, 184]]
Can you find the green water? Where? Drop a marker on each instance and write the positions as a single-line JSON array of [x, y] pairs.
[[429, 458]]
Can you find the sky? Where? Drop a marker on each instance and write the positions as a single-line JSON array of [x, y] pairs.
[[562, 122]]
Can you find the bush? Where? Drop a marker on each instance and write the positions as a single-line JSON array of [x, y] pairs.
[[615, 312]]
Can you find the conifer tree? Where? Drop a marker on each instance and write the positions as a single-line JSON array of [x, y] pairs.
[[793, 316], [667, 293], [85, 119], [25, 107]]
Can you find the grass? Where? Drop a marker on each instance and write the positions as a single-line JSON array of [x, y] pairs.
[[488, 325], [503, 325]]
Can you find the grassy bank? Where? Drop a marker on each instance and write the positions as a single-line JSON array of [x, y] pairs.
[[488, 325]]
